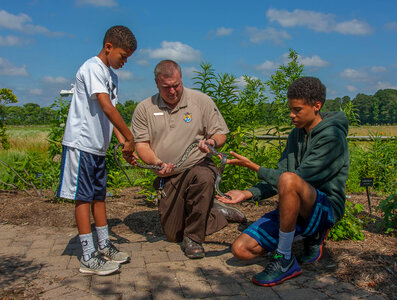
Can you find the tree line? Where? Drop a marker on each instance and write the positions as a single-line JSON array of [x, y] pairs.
[[377, 109]]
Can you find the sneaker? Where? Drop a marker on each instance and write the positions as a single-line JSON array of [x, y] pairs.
[[277, 271], [98, 265], [110, 252], [313, 247]]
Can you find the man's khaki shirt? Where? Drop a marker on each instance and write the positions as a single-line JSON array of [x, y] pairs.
[[171, 131]]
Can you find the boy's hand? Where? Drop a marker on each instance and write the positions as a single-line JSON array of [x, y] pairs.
[[128, 152], [242, 161]]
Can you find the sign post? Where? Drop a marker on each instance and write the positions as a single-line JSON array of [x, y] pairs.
[[40, 175], [366, 182]]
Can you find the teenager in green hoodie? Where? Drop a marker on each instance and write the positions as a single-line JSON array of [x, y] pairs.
[[310, 181]]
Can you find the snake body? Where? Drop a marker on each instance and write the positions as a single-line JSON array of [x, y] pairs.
[[213, 151]]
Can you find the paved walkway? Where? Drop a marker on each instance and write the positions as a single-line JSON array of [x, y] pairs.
[[45, 260]]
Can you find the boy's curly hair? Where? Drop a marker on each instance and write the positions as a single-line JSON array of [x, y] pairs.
[[120, 37], [309, 89]]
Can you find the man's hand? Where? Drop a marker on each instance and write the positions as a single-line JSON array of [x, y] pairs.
[[202, 145], [242, 161], [236, 196], [167, 168]]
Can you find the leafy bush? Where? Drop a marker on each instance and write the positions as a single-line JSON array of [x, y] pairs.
[[388, 207], [350, 226]]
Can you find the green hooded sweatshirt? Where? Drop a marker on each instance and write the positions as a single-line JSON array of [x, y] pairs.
[[320, 157]]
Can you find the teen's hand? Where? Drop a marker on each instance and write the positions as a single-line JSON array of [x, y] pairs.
[[131, 159], [236, 196], [128, 152], [242, 161]]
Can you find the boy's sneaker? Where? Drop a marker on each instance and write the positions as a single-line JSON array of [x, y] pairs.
[[277, 271], [313, 247], [98, 265], [110, 252]]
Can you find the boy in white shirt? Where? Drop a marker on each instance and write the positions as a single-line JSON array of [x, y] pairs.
[[92, 118]]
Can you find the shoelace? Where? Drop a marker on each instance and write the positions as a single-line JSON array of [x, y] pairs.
[[97, 262], [112, 250]]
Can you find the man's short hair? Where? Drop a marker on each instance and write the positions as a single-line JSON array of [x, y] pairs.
[[309, 89], [120, 37], [166, 68]]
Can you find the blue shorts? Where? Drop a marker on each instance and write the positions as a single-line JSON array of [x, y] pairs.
[[83, 175], [266, 230]]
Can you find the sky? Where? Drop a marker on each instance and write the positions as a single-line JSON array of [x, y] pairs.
[[349, 45]]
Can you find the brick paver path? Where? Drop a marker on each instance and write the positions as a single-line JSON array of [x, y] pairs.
[[44, 260]]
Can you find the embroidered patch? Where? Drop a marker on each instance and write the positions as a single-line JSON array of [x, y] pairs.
[[188, 117]]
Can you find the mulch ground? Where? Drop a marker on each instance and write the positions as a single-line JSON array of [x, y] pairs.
[[370, 264]]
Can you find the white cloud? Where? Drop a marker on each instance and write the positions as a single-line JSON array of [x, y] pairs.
[[391, 26], [378, 69], [8, 69], [189, 72], [55, 80], [9, 40], [353, 75], [241, 83], [351, 88], [22, 23], [257, 35], [317, 21], [353, 27], [175, 51], [124, 75], [36, 92], [380, 85], [222, 31], [267, 65], [104, 3], [314, 61]]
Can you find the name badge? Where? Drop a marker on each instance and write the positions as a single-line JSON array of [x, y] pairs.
[[159, 114]]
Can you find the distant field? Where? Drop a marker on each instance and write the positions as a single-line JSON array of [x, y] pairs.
[[386, 130], [32, 137]]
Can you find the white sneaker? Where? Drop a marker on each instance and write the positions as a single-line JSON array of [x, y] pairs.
[[98, 265], [110, 252]]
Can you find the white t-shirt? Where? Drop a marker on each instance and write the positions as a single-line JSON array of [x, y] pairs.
[[87, 127]]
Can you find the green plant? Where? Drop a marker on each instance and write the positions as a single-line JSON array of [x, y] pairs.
[[350, 226], [388, 207], [146, 183]]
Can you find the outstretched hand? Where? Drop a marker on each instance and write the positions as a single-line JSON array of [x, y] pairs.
[[236, 197], [242, 161]]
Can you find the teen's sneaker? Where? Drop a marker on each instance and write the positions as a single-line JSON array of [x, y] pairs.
[[313, 247], [110, 252], [277, 271], [98, 265]]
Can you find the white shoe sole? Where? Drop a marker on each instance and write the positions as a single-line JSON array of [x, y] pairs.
[[97, 272]]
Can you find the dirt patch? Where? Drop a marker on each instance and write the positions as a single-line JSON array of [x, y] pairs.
[[370, 264]]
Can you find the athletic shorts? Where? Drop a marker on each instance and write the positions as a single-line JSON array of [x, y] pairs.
[[266, 230], [83, 175]]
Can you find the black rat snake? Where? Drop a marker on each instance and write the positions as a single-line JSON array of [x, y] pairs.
[[213, 151]]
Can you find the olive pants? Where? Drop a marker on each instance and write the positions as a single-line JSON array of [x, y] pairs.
[[186, 204]]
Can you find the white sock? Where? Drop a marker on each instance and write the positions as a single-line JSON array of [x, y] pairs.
[[87, 243], [103, 236], [285, 240]]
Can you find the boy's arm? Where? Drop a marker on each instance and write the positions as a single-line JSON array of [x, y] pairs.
[[123, 133]]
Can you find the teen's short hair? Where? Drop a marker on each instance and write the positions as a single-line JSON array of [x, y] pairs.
[[309, 89], [120, 37], [166, 68]]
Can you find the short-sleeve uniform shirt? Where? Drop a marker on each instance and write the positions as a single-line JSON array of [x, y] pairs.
[[87, 126], [171, 131]]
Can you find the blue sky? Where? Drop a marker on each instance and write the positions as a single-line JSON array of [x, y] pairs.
[[349, 45]]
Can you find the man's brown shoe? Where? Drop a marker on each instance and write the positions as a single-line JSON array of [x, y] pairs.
[[230, 213], [192, 249]]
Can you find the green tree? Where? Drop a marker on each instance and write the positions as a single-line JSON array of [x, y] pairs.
[[6, 97]]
